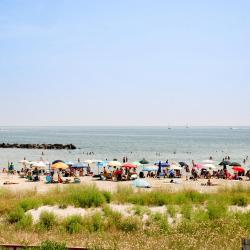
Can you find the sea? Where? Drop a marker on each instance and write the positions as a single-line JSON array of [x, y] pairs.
[[152, 143]]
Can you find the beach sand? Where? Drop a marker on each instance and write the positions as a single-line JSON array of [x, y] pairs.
[[112, 186]]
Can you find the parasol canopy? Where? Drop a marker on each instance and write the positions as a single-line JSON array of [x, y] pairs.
[[59, 165], [80, 165], [235, 164], [150, 168], [114, 164], [238, 169], [128, 165]]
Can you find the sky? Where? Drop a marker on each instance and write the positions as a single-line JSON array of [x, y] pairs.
[[130, 62]]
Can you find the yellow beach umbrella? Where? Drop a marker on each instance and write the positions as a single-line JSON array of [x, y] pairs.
[[59, 165]]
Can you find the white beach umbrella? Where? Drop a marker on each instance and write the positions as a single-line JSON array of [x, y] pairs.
[[114, 164], [175, 167], [88, 161], [39, 164], [208, 162], [209, 166], [24, 162]]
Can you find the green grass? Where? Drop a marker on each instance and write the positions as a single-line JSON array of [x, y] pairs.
[[205, 218], [73, 224], [47, 220]]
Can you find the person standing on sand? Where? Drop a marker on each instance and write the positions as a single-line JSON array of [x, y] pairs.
[[126, 159]]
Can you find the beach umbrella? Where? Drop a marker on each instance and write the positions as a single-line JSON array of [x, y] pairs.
[[174, 167], [24, 162], [183, 164], [209, 166], [163, 164], [128, 165], [198, 165], [238, 169], [150, 168], [140, 183], [80, 165], [137, 163], [114, 164], [144, 161], [224, 163], [208, 162], [39, 164], [59, 165], [235, 164], [102, 164], [70, 163], [88, 161], [57, 161]]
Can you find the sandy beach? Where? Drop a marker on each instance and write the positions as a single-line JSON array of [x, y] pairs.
[[163, 183]]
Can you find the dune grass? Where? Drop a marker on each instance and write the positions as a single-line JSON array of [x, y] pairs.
[[204, 218]]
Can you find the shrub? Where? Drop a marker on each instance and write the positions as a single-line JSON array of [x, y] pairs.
[[107, 196], [161, 221], [47, 220], [25, 222], [52, 245], [30, 203], [73, 224], [86, 197], [186, 211], [94, 223], [239, 201], [129, 224], [141, 210], [15, 215], [216, 210], [172, 210]]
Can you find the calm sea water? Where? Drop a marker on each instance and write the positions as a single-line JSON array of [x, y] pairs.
[[152, 143]]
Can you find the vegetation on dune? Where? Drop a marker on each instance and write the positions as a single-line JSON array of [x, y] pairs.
[[189, 220]]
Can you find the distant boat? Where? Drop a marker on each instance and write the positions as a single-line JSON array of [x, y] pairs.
[[169, 127], [187, 126]]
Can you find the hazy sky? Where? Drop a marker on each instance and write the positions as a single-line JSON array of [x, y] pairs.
[[124, 62]]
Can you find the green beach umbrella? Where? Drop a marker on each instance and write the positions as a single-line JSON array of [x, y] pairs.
[[137, 163]]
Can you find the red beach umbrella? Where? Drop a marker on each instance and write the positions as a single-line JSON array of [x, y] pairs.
[[238, 169], [129, 165]]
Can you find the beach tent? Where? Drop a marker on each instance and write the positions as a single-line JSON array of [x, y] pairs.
[[114, 164], [59, 165], [140, 183]]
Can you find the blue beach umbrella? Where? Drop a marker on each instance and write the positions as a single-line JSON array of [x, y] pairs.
[[70, 163], [150, 168], [140, 183], [80, 165], [163, 164]]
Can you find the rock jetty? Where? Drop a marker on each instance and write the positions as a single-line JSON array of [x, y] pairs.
[[38, 146]]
